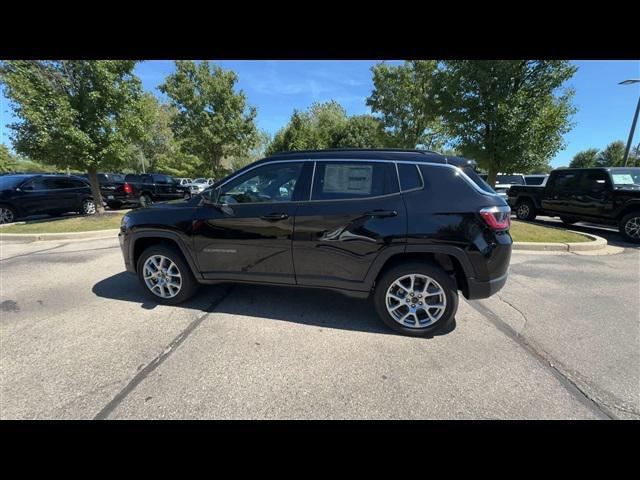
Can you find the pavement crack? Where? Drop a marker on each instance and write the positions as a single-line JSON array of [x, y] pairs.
[[503, 300], [572, 386], [158, 360]]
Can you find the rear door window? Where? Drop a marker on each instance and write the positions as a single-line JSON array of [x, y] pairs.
[[410, 178], [346, 180]]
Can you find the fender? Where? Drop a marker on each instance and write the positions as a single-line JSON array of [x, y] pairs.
[[145, 234], [389, 252]]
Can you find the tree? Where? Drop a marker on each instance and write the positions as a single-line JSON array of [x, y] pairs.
[[404, 98], [361, 131], [7, 160], [73, 113], [585, 159], [326, 125], [213, 121], [509, 115], [612, 155]]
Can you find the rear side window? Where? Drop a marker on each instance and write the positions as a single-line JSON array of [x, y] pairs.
[[566, 181], [410, 178], [161, 179], [132, 178], [353, 180]]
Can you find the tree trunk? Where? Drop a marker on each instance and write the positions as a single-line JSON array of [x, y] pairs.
[[491, 177], [95, 190]]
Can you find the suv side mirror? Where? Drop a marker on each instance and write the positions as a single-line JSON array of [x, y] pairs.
[[210, 196]]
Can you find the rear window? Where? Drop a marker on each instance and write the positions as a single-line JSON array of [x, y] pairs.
[[471, 173], [510, 179], [410, 178], [132, 178], [534, 180]]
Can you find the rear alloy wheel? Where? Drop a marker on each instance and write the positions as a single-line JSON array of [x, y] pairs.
[[630, 227], [525, 210], [88, 207], [165, 275], [7, 214], [145, 200], [416, 299]]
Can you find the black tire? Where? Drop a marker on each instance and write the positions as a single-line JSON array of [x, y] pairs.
[[145, 200], [422, 268], [630, 227], [525, 210], [7, 214], [189, 285], [568, 220]]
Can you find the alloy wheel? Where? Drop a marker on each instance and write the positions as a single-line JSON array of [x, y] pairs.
[[632, 228], [88, 207], [416, 301], [523, 210], [6, 215], [162, 276]]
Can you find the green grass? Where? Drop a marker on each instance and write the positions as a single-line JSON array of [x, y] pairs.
[[528, 232], [69, 224]]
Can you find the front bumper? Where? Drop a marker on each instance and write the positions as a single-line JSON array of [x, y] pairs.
[[124, 247], [476, 289]]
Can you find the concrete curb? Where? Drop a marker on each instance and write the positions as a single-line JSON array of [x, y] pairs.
[[36, 237], [596, 243]]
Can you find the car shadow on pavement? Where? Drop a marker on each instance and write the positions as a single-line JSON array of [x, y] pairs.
[[306, 306], [609, 233]]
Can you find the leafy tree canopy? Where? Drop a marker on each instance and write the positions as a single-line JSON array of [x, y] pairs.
[[212, 120], [405, 98], [73, 113], [326, 125], [509, 115]]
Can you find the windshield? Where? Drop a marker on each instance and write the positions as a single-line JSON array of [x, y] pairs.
[[10, 181], [510, 179], [626, 176], [199, 180]]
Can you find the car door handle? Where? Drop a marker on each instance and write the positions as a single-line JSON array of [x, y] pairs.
[[275, 216], [381, 213]]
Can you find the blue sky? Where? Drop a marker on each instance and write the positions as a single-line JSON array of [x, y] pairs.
[[276, 88]]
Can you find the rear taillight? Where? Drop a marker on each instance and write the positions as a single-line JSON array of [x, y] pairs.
[[127, 188], [496, 217]]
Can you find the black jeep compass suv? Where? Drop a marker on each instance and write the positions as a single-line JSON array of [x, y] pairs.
[[411, 228]]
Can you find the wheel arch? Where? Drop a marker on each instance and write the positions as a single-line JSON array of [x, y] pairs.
[[142, 240], [451, 259]]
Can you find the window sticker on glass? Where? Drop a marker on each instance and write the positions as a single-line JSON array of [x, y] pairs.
[[622, 179], [356, 179]]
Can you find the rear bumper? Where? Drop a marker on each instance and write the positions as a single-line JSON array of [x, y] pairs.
[[477, 289]]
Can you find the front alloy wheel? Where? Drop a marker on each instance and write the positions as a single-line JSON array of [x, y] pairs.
[[162, 276], [6, 215]]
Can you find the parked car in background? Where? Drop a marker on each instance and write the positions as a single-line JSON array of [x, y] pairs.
[[184, 182], [199, 185], [145, 189], [536, 179], [107, 182], [25, 195], [410, 228], [607, 196]]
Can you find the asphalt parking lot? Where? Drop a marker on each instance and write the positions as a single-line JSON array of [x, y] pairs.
[[80, 340]]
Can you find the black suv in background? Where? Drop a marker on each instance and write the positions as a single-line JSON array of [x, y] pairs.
[[145, 189], [410, 227], [35, 194], [606, 196]]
